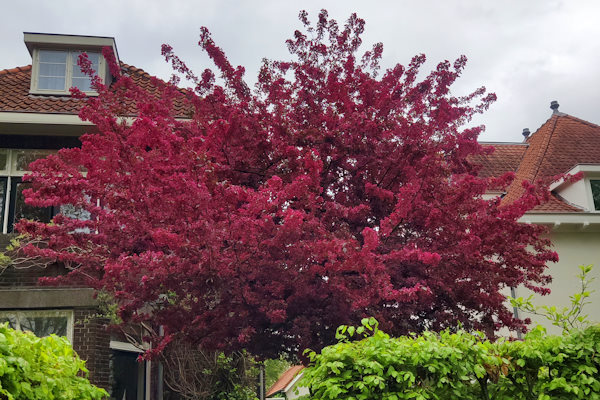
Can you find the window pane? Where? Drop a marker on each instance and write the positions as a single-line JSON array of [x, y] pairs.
[[23, 158], [53, 56], [52, 70], [51, 83], [93, 57], [83, 84], [128, 376], [44, 326], [70, 211], [80, 80], [596, 193], [11, 319], [25, 211]]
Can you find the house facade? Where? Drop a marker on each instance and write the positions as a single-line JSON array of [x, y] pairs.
[[563, 145], [37, 117]]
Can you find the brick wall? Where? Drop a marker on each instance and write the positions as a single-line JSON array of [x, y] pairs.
[[91, 341], [22, 277]]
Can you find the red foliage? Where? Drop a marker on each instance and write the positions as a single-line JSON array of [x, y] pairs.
[[268, 217]]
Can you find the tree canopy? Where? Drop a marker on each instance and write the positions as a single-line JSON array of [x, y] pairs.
[[264, 218]]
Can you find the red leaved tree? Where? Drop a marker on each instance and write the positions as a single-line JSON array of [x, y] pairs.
[[265, 218]]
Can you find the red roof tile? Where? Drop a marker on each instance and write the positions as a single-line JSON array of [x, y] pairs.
[[557, 146], [505, 158], [15, 96], [285, 379]]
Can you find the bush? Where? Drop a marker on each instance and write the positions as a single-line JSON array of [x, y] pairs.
[[199, 374], [456, 365], [42, 368]]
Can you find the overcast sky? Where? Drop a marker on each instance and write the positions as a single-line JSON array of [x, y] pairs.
[[528, 52]]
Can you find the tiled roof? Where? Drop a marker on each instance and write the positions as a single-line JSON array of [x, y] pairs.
[[285, 379], [506, 157], [15, 97], [561, 143]]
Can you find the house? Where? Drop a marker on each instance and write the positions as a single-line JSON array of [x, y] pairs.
[[286, 387], [568, 145], [38, 116]]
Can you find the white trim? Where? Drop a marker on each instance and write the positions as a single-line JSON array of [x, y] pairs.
[[588, 192], [56, 118], [587, 169], [293, 382], [48, 313], [583, 218], [124, 346], [41, 118], [70, 61], [33, 39]]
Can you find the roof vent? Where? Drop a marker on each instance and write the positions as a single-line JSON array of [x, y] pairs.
[[554, 106], [526, 133]]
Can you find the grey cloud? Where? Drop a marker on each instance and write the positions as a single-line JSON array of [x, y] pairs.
[[528, 52]]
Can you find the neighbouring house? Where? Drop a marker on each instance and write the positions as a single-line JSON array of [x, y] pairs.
[[286, 387], [38, 116], [562, 145]]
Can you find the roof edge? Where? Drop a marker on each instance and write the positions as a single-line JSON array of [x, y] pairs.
[[34, 39], [506, 143]]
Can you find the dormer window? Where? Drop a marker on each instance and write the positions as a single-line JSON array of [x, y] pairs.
[[56, 71], [54, 62]]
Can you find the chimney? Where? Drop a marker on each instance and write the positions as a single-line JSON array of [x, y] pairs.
[[526, 133], [554, 106]]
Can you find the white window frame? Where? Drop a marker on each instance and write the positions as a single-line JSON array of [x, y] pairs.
[[42, 313], [68, 74], [590, 193], [12, 172]]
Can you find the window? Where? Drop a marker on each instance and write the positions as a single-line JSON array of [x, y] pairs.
[[41, 322], [56, 71], [595, 184], [13, 165]]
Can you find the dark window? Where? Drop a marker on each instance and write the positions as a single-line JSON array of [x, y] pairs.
[[128, 376], [596, 193], [3, 188], [20, 210]]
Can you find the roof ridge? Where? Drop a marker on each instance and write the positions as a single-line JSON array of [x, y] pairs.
[[583, 121], [135, 69], [505, 143], [545, 144], [15, 69]]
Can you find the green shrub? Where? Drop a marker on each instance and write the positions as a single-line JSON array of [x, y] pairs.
[[42, 368], [455, 365]]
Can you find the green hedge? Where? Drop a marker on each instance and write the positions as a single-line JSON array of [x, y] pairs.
[[460, 365], [42, 368]]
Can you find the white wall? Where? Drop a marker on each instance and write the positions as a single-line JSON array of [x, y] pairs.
[[577, 193], [574, 248], [296, 391]]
